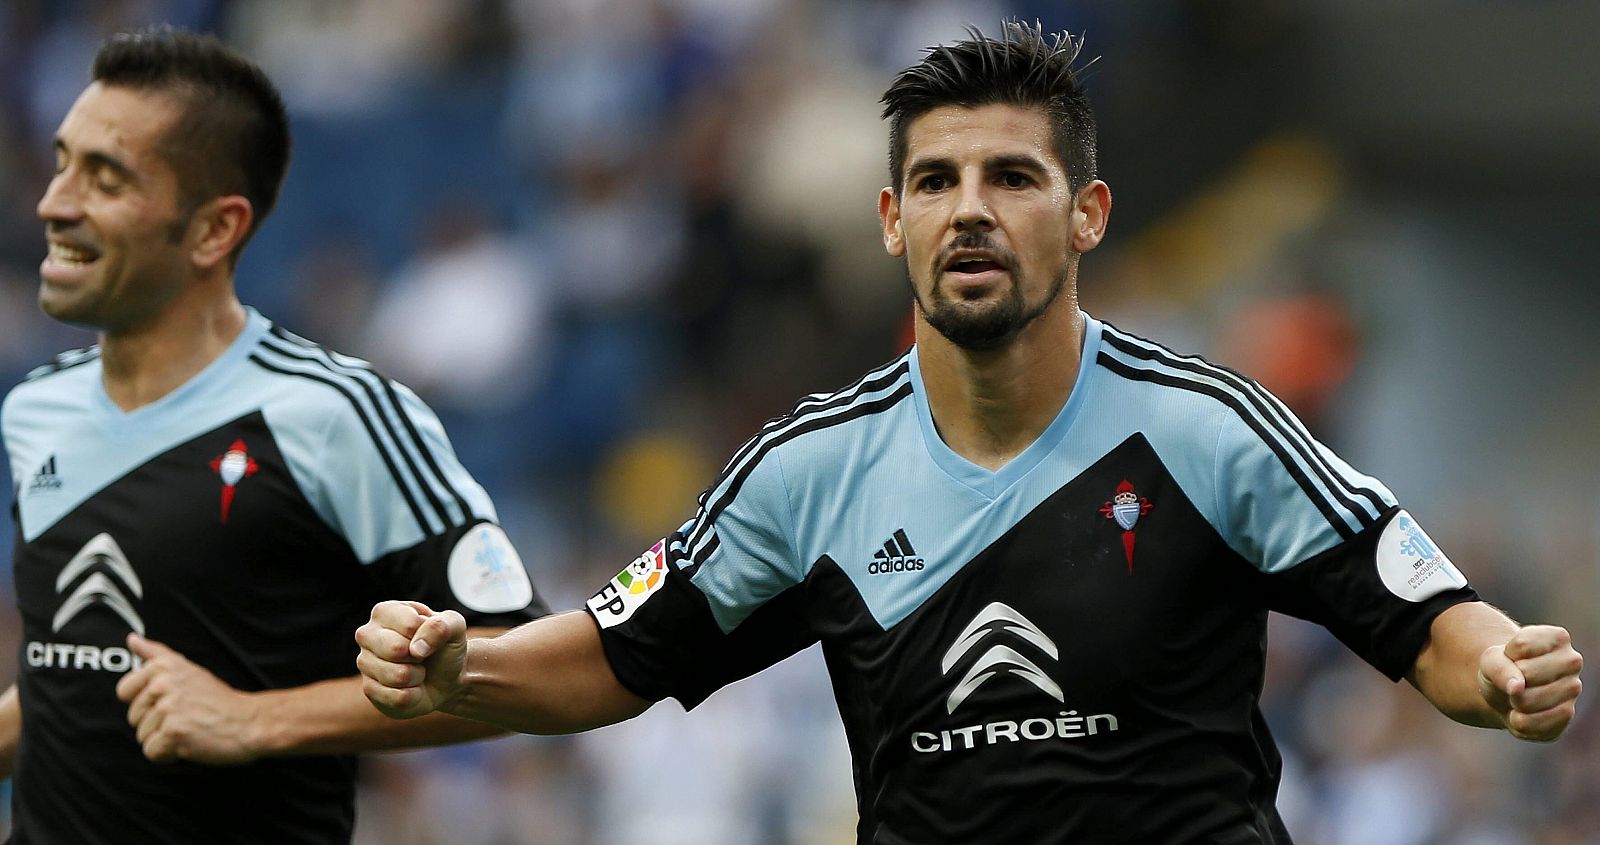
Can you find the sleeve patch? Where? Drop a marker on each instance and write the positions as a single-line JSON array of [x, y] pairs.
[[486, 574], [617, 601], [1411, 564]]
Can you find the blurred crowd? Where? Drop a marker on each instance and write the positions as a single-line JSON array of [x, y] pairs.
[[606, 239]]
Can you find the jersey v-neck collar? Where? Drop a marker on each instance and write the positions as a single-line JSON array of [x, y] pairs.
[[992, 484], [181, 401]]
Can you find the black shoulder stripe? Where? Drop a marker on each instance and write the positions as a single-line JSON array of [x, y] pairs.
[[1273, 415], [372, 432], [864, 409], [1228, 399], [64, 361], [816, 405], [384, 418], [353, 367], [806, 408]]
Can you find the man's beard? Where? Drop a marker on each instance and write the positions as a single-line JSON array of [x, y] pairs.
[[982, 326]]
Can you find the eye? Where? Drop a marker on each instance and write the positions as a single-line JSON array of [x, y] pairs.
[[1014, 179], [108, 181], [933, 182]]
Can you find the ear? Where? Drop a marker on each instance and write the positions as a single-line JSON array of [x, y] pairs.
[[217, 228], [894, 233], [1091, 215]]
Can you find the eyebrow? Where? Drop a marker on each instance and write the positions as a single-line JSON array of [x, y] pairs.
[[97, 159], [1006, 161]]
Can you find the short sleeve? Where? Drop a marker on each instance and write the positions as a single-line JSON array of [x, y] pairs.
[[387, 479], [1335, 547], [720, 599]]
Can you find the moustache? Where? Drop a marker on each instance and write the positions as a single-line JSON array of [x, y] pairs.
[[973, 241]]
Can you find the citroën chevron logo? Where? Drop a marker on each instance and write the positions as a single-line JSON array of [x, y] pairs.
[[106, 566], [999, 659]]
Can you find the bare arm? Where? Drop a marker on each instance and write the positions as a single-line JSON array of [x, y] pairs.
[[179, 710], [547, 677], [10, 731], [1481, 668]]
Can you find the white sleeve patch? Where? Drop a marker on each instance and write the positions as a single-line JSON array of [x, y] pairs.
[[486, 574], [1411, 564], [624, 594]]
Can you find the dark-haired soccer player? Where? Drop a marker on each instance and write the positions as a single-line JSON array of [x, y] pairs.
[[1039, 552], [206, 503]]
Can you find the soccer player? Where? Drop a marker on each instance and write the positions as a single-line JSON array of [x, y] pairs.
[[207, 503], [1039, 552]]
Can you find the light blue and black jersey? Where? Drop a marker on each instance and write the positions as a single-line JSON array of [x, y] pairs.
[[1068, 649], [249, 519]]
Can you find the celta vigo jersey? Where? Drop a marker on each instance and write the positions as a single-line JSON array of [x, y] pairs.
[[249, 519], [1067, 650]]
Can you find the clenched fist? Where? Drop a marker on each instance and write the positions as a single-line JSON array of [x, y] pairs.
[[411, 658], [1532, 681]]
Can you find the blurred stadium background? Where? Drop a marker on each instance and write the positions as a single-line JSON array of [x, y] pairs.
[[607, 238]]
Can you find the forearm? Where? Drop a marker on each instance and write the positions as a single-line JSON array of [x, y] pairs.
[[550, 676], [333, 717], [10, 730], [1446, 671]]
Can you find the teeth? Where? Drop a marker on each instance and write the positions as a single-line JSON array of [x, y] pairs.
[[70, 256]]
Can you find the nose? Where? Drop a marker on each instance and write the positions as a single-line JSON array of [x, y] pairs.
[[60, 203], [972, 212]]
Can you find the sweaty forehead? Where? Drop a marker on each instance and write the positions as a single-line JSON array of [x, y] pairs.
[[983, 131]]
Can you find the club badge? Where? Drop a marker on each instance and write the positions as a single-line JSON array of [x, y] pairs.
[[233, 466], [1125, 508]]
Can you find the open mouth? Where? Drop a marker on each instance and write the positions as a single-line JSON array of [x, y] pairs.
[[975, 266], [974, 263], [71, 256]]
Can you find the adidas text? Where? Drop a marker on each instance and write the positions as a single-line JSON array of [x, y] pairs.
[[899, 564]]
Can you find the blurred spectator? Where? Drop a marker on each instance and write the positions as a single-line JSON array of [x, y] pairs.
[[466, 322]]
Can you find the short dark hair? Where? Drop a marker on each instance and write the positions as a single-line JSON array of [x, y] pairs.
[[233, 136], [1023, 67]]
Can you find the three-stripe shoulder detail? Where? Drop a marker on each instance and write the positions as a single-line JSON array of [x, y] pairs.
[[394, 435], [1336, 495], [873, 393], [64, 361]]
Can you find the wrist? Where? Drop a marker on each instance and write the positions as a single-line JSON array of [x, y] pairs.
[[457, 699], [261, 735]]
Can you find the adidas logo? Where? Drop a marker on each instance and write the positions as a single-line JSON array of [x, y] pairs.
[[895, 556], [45, 480]]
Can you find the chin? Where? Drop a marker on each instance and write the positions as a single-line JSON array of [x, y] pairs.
[[69, 311]]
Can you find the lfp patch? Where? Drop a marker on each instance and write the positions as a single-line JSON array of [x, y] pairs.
[[624, 594], [1411, 564]]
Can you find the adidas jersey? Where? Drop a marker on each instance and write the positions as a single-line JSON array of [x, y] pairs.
[[249, 519], [1067, 650]]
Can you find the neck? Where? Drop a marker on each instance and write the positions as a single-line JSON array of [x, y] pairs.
[[990, 405], [145, 362]]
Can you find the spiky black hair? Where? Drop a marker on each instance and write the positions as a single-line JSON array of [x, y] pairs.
[[1024, 66], [233, 135]]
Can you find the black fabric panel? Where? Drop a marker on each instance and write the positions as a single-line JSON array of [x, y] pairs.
[[673, 647], [1341, 590], [266, 599], [1173, 647], [421, 573]]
